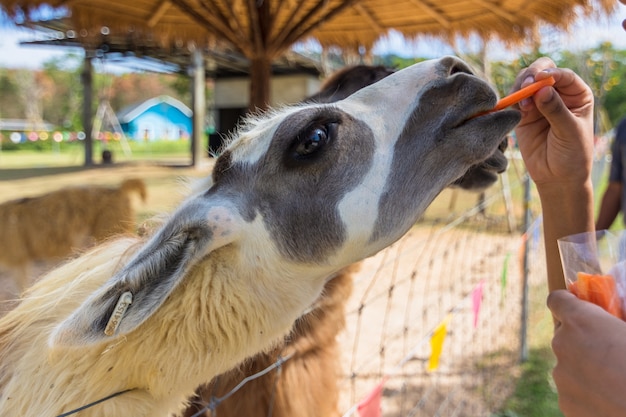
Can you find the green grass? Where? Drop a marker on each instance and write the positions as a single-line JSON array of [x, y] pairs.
[[51, 154], [535, 394]]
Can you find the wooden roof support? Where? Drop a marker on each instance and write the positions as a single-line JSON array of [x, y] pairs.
[[495, 8], [432, 12], [368, 16], [158, 13]]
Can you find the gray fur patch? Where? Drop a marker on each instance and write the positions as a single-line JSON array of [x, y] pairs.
[[298, 197], [437, 145]]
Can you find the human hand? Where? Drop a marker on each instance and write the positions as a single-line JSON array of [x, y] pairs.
[[589, 344], [555, 135]]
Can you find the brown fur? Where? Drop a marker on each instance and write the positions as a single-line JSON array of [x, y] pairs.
[[52, 226], [306, 385], [347, 81]]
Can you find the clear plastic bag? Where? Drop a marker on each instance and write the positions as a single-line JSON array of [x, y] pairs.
[[594, 264]]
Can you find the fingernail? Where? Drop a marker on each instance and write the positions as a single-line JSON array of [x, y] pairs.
[[528, 80], [525, 102]]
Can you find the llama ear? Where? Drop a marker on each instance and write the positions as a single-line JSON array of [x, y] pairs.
[[132, 295]]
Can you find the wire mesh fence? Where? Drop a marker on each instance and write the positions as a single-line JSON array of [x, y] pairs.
[[437, 322]]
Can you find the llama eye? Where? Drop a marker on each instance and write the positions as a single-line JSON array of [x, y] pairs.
[[312, 139]]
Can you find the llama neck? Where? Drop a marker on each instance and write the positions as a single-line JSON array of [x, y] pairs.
[[221, 315]]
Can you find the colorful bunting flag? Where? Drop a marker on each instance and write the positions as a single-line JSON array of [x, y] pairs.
[[503, 277], [436, 343], [477, 297], [370, 405]]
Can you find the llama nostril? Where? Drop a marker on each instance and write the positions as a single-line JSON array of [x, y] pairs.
[[459, 67], [456, 66]]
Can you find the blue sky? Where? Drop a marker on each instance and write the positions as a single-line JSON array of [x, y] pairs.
[[584, 34]]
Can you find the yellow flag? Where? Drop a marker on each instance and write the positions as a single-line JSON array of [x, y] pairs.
[[436, 343]]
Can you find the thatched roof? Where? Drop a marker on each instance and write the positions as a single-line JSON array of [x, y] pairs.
[[271, 26], [264, 29]]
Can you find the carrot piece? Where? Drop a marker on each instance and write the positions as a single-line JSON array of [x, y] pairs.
[[523, 93], [520, 94], [598, 289]]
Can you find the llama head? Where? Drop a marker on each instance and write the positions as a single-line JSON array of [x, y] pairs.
[[307, 190], [349, 80]]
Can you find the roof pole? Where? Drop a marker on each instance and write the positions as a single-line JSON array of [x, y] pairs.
[[87, 81], [199, 107]]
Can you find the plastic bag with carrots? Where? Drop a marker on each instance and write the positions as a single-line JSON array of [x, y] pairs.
[[594, 264]]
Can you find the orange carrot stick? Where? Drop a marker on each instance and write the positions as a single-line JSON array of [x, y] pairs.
[[598, 289], [521, 94]]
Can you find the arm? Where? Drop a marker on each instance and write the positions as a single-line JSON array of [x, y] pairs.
[[610, 205], [555, 137], [589, 345]]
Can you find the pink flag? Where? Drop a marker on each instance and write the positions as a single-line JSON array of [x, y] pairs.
[[477, 297], [436, 343], [370, 405]]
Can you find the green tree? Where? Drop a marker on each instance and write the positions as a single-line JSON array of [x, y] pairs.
[[602, 68], [10, 106], [63, 101]]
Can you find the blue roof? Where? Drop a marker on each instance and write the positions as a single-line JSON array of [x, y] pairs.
[[129, 113]]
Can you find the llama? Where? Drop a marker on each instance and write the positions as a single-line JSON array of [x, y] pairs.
[[52, 226], [313, 340], [297, 195], [307, 385]]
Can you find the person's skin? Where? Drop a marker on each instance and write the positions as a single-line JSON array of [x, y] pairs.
[[610, 205], [555, 137], [589, 343]]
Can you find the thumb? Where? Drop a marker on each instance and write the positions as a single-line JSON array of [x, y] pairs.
[[559, 302], [550, 104]]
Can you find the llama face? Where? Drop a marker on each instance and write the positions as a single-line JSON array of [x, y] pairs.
[[314, 188]]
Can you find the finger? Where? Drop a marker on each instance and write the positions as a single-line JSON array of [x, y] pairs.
[[540, 64], [550, 104]]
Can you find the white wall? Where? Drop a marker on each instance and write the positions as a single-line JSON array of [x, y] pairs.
[[285, 89]]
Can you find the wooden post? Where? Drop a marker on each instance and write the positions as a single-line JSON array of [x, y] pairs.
[[199, 108], [87, 81], [260, 73]]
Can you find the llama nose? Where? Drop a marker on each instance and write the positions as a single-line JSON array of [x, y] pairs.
[[453, 65]]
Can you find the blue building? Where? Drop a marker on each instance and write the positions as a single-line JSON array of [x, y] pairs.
[[159, 118]]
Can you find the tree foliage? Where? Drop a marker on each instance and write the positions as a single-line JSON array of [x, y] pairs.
[[55, 94], [603, 68]]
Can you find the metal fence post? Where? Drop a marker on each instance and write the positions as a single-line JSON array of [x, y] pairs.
[[524, 315]]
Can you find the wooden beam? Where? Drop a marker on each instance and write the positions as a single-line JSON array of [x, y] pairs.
[[311, 21], [432, 12], [199, 108], [210, 17], [158, 13], [368, 16], [496, 9], [87, 81]]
